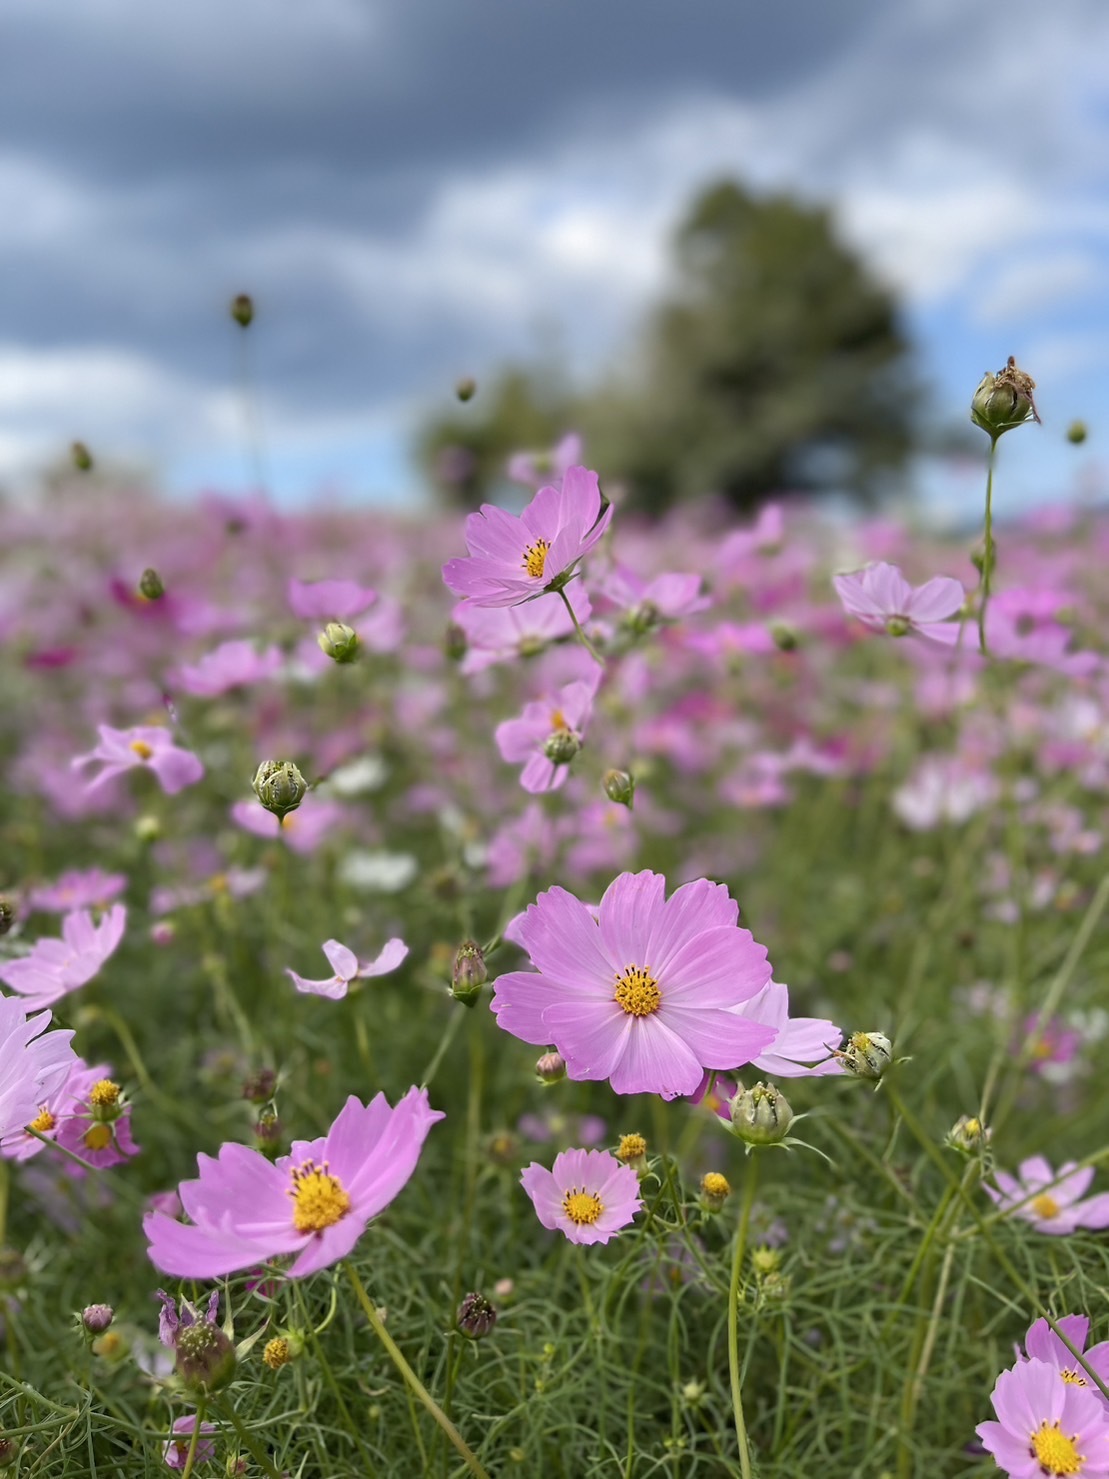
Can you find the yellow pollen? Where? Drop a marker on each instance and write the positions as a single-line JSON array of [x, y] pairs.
[[637, 992], [715, 1184], [319, 1200], [558, 719], [1055, 1452], [1045, 1206], [1075, 1378], [141, 749], [535, 558], [582, 1207], [104, 1092], [97, 1137], [43, 1122], [631, 1147], [277, 1353]]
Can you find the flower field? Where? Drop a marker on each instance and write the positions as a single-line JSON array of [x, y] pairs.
[[547, 993]]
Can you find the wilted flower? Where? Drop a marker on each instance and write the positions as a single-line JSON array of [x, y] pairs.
[[347, 969], [205, 1357]]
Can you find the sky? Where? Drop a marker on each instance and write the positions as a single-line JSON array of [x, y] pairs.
[[416, 190]]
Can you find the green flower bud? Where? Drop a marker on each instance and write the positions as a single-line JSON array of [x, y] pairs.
[[454, 642], [560, 746], [280, 787], [898, 626], [151, 587], [468, 973], [550, 1068], [242, 310], [465, 388], [205, 1356], [761, 1116], [82, 457], [968, 1134], [1076, 433], [867, 1054], [715, 1191], [619, 786], [1003, 401], [339, 641], [785, 637]]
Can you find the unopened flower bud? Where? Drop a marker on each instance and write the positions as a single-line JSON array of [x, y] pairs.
[[468, 973], [82, 457], [898, 626], [1076, 433], [560, 746], [151, 585], [715, 1191], [7, 916], [205, 1356], [9, 1452], [465, 388], [619, 786], [632, 1151], [147, 828], [282, 1349], [280, 787], [106, 1101], [550, 1068], [784, 636], [693, 1393], [968, 1134], [867, 1054], [259, 1087], [765, 1260], [268, 1133], [476, 1316], [97, 1317], [242, 310], [644, 618], [1003, 401], [339, 642], [761, 1116], [454, 642], [978, 557], [503, 1148]]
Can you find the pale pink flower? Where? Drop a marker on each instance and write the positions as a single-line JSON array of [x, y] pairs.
[[1046, 1426], [545, 724], [1050, 1200], [147, 746], [34, 1064], [329, 600], [1042, 1344], [56, 967], [883, 599], [587, 1194], [231, 665], [345, 964]]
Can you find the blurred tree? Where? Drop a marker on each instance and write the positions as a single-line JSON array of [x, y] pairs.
[[777, 364]]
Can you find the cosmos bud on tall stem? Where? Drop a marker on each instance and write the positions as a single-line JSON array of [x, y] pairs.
[[761, 1116], [619, 786], [242, 310], [82, 457], [339, 641], [1003, 401], [151, 586], [469, 973], [279, 786]]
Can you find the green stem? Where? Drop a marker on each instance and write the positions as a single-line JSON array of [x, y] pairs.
[[194, 1441], [257, 1451], [414, 1383], [582, 638], [987, 553], [733, 1313]]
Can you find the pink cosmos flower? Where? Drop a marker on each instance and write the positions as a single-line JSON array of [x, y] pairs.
[[347, 969], [56, 967], [329, 600], [230, 665], [1046, 1425], [643, 995], [315, 820], [176, 1451], [1050, 1200], [82, 1128], [33, 1065], [314, 1203], [513, 559], [800, 1042], [1042, 1344], [503, 633], [77, 889], [648, 602], [547, 736], [587, 1194], [535, 468], [883, 599], [66, 1106], [147, 745]]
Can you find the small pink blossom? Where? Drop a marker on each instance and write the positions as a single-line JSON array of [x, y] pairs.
[[231, 665], [504, 633], [315, 820], [542, 725], [533, 469], [56, 967], [1046, 1425], [1050, 1200], [647, 602], [514, 559], [883, 599], [78, 889], [347, 969], [587, 1194], [176, 1452], [329, 600], [147, 746]]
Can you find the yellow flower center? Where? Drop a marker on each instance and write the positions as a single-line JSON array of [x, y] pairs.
[[97, 1137], [582, 1207], [637, 992], [631, 1147], [1055, 1452], [319, 1200], [535, 558], [43, 1122], [714, 1184], [558, 719], [1045, 1206], [104, 1092], [1073, 1376], [277, 1353], [142, 749]]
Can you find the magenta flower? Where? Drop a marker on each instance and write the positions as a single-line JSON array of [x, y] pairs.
[[1042, 1344], [147, 745], [513, 559], [56, 967], [883, 599], [1050, 1200], [314, 1203], [1046, 1425], [33, 1066], [547, 736], [65, 1116], [176, 1451], [329, 600], [587, 1194], [643, 995], [346, 967], [231, 665]]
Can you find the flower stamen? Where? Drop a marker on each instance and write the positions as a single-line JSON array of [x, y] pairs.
[[1045, 1206], [535, 558], [582, 1207], [1056, 1454], [319, 1199], [142, 749], [637, 992]]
